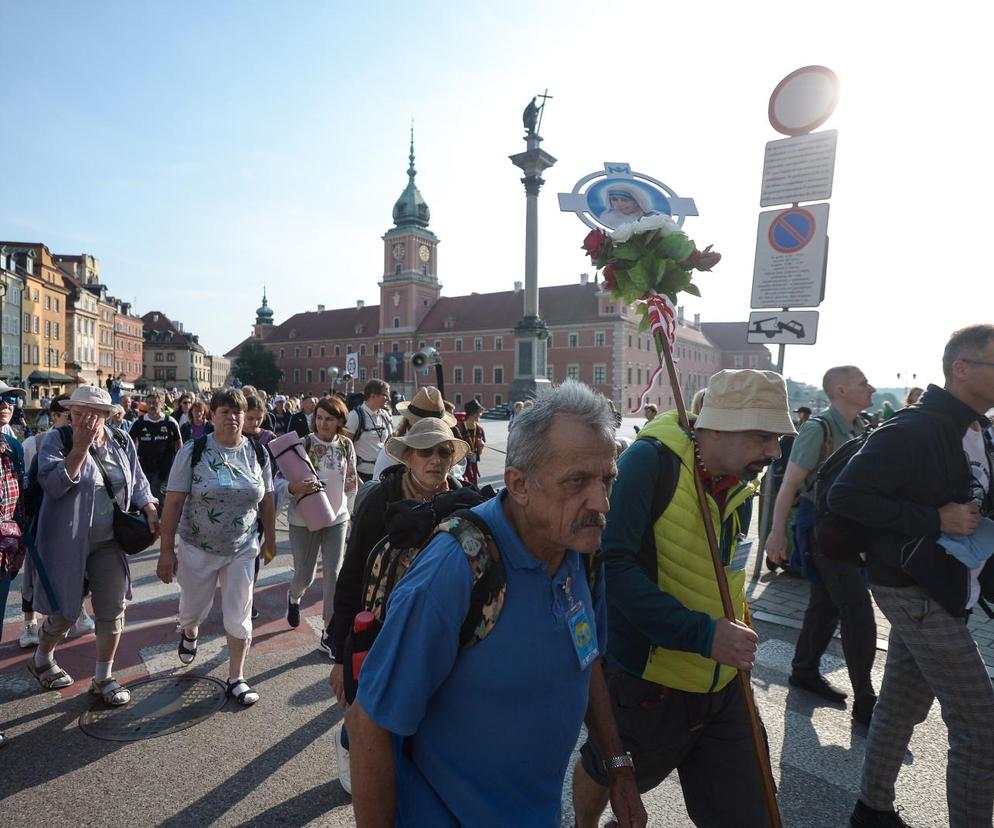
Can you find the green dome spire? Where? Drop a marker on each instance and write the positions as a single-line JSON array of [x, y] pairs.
[[264, 314], [411, 208]]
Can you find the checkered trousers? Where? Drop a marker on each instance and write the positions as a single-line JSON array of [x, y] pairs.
[[932, 655]]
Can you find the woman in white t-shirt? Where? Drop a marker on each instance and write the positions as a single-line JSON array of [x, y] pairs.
[[333, 457]]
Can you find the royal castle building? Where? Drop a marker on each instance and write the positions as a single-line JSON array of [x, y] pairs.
[[593, 338]]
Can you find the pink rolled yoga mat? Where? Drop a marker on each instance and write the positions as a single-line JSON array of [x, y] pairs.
[[314, 508]]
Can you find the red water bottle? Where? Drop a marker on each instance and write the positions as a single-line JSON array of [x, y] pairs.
[[364, 630]]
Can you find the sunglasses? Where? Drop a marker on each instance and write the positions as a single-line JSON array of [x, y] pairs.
[[442, 450], [10, 399]]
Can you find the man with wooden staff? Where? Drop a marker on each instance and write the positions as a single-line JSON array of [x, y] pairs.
[[672, 655]]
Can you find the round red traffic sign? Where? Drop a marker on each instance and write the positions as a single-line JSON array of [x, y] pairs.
[[792, 230], [804, 100]]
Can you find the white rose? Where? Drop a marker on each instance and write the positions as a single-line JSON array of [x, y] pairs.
[[644, 225]]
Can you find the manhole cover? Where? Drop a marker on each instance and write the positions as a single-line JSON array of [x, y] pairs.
[[157, 707]]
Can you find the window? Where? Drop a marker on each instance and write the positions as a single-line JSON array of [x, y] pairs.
[[458, 346], [27, 321], [282, 353], [321, 350], [27, 354], [48, 303], [550, 339], [376, 373], [421, 345], [498, 346], [171, 374], [573, 372], [321, 375], [376, 349], [600, 375], [629, 375], [458, 400], [574, 340], [396, 321], [457, 375], [362, 349], [753, 361], [338, 350], [56, 303], [738, 360], [309, 373], [159, 357], [37, 324], [310, 352], [170, 356], [296, 353], [348, 349], [478, 343], [477, 375], [296, 375], [362, 375], [56, 331], [498, 399], [499, 375], [395, 347], [35, 353], [438, 344], [638, 374], [599, 339], [629, 340]]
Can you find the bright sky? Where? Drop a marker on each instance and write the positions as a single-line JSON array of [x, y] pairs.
[[200, 150]]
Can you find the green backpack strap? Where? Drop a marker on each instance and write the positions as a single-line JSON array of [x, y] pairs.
[[489, 578]]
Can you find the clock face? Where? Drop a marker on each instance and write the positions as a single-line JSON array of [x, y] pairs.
[[424, 253], [398, 251]]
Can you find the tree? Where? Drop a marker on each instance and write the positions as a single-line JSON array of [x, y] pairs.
[[256, 365]]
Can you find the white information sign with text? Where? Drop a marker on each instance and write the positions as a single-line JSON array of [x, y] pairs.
[[799, 169]]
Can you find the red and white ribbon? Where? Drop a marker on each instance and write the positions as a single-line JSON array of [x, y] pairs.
[[662, 322]]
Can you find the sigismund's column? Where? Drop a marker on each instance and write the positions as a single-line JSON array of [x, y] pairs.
[[531, 333]]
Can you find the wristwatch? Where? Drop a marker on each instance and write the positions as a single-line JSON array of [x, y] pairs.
[[622, 761]]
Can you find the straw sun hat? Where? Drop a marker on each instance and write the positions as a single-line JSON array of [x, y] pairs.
[[426, 433], [426, 403]]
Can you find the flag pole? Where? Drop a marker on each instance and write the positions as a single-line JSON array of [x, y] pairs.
[[744, 676]]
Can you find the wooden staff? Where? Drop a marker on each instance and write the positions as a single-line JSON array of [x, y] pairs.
[[745, 681]]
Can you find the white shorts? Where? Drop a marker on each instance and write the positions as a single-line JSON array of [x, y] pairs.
[[199, 573]]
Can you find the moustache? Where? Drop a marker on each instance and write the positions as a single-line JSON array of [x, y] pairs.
[[594, 519]]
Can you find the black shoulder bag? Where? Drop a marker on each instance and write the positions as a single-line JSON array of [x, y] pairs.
[[130, 528]]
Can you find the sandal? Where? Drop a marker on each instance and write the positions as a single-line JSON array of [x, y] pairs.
[[186, 654], [110, 692], [52, 677], [240, 691]]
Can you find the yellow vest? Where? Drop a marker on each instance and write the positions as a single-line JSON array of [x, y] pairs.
[[683, 562]]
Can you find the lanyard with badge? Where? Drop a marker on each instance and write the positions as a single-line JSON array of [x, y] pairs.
[[225, 477], [580, 629]]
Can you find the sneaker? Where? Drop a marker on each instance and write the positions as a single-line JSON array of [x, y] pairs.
[[865, 817], [818, 685], [324, 644], [84, 625], [292, 612], [342, 759], [29, 638]]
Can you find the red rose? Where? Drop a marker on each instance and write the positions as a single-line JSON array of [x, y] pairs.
[[594, 243], [701, 259], [609, 281]]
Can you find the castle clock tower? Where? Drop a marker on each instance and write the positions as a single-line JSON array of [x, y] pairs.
[[410, 264]]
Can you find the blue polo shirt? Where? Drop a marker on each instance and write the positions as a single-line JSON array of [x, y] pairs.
[[491, 728]]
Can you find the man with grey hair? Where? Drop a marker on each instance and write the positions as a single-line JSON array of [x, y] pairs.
[[487, 732], [673, 654]]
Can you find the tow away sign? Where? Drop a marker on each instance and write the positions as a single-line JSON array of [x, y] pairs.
[[783, 328]]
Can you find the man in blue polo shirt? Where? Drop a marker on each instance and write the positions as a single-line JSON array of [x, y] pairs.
[[483, 736]]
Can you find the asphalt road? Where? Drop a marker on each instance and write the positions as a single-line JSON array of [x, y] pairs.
[[273, 764]]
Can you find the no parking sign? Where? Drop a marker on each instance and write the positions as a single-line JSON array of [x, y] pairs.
[[791, 246]]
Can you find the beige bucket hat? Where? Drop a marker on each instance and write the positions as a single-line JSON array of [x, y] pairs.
[[90, 396], [746, 400], [426, 433], [427, 402]]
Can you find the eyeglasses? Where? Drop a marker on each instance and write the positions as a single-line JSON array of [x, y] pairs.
[[986, 362], [442, 450], [10, 399]]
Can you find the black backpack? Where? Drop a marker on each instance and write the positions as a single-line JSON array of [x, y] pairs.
[[410, 528], [201, 443], [34, 494]]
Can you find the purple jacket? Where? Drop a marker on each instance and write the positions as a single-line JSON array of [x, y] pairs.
[[66, 511]]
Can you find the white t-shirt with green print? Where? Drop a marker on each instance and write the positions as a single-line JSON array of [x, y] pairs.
[[223, 494]]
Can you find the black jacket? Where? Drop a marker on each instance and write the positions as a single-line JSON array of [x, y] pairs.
[[909, 467], [186, 430], [298, 423]]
